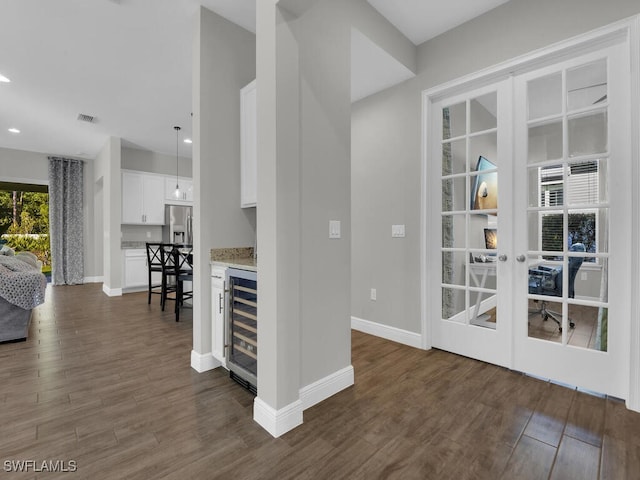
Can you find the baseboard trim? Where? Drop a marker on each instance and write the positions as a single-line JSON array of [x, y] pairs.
[[202, 362], [394, 334], [326, 387], [93, 279], [277, 422], [112, 292]]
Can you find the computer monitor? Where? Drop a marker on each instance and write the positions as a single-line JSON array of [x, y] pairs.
[[491, 238]]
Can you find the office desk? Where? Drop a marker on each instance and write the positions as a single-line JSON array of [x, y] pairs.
[[479, 272]]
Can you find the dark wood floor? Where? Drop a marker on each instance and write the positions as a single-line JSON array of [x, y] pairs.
[[106, 383]]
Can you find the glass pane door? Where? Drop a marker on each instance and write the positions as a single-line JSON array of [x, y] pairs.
[[568, 324], [568, 207], [470, 166]]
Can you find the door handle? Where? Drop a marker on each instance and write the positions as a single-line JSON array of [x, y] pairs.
[[502, 258], [521, 258]]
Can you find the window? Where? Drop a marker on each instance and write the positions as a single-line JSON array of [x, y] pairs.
[[580, 188]]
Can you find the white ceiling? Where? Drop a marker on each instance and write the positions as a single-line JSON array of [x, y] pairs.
[[421, 20], [128, 63]]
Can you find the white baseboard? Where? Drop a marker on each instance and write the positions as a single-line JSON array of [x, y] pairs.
[[93, 279], [112, 292], [202, 362], [277, 422], [326, 387], [384, 331]]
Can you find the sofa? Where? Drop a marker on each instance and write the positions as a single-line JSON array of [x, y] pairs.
[[22, 288]]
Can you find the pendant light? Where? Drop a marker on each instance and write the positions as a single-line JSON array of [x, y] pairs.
[[177, 193]]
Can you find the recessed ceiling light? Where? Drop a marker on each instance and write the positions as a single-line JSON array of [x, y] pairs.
[[187, 140], [14, 130], [4, 79]]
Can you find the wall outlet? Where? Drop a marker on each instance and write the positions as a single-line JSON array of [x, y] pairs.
[[374, 294], [583, 276], [148, 234]]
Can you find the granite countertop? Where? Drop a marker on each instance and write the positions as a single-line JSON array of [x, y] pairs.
[[241, 258], [126, 245]]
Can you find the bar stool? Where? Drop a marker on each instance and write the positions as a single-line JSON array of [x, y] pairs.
[[169, 277], [154, 264], [183, 261]]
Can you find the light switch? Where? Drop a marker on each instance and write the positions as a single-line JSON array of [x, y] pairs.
[[397, 231], [334, 228]]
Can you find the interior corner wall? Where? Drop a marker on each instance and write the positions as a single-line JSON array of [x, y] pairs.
[[303, 183], [385, 191], [91, 269], [324, 38], [107, 168], [391, 121], [224, 62]]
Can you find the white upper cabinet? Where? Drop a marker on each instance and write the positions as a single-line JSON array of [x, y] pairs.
[[248, 146], [186, 191], [142, 198]]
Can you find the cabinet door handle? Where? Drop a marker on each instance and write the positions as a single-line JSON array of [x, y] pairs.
[[220, 303]]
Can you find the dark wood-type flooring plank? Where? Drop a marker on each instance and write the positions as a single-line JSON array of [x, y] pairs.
[[106, 382]]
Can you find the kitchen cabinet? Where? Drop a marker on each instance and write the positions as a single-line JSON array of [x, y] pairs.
[[248, 146], [142, 198], [186, 191], [135, 271], [218, 312]]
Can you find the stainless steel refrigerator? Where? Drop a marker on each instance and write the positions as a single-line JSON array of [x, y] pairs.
[[178, 224]]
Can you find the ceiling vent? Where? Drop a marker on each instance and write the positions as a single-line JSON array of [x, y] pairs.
[[86, 118]]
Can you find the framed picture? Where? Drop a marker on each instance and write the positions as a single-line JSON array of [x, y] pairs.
[[484, 188]]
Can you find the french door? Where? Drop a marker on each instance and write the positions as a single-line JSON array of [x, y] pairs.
[[572, 229], [530, 220], [474, 153]]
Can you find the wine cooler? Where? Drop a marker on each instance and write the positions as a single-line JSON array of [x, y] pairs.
[[242, 340]]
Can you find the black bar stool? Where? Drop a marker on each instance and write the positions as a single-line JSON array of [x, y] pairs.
[[169, 277], [183, 261], [154, 264]]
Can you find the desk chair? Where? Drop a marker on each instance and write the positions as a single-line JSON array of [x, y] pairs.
[[154, 264], [183, 262], [545, 280]]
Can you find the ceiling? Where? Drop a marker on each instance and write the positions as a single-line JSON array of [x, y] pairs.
[[127, 63]]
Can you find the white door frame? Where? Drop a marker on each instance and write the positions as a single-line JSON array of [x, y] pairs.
[[624, 31]]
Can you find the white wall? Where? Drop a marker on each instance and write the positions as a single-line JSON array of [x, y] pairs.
[[147, 161], [23, 166], [224, 62], [109, 193], [386, 144]]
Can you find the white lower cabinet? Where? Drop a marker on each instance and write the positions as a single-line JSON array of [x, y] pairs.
[[218, 312], [135, 272]]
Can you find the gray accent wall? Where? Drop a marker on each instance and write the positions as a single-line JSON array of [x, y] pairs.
[[385, 191], [224, 62], [386, 142]]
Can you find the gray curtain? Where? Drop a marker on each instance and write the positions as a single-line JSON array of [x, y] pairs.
[[66, 220]]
